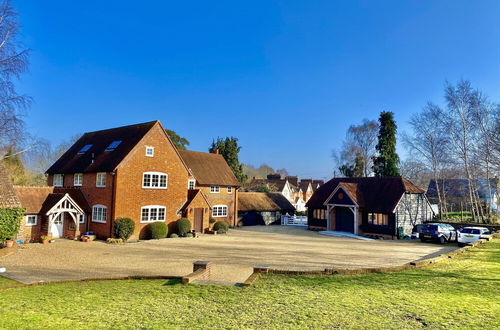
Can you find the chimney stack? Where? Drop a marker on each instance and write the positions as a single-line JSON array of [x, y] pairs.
[[214, 151]]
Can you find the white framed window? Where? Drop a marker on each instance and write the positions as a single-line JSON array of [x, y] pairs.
[[81, 218], [31, 220], [78, 179], [214, 189], [99, 213], [150, 151], [100, 180], [219, 211], [153, 213], [229, 190], [58, 180], [154, 180], [191, 184]]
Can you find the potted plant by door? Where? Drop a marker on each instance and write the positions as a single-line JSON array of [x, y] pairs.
[[8, 243], [44, 239]]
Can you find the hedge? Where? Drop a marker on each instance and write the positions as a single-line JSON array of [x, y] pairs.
[[183, 226], [124, 228], [10, 222], [158, 230]]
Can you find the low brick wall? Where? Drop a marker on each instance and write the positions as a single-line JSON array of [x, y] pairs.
[[201, 272]]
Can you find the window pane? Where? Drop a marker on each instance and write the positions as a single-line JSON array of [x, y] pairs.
[[161, 214], [147, 180], [154, 180], [163, 180], [153, 212], [144, 215]]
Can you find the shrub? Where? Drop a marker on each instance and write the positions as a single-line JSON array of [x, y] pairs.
[[10, 221], [211, 220], [158, 230], [221, 227], [189, 235], [174, 235], [183, 226], [124, 228]]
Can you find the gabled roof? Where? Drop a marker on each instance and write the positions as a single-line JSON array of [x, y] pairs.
[[38, 200], [294, 180], [304, 185], [278, 183], [192, 194], [314, 183], [8, 197], [260, 202], [379, 195], [95, 158], [209, 168]]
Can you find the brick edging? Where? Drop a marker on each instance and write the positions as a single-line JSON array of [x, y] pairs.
[[361, 271]]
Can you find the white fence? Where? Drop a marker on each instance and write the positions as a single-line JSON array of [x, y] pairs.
[[293, 220]]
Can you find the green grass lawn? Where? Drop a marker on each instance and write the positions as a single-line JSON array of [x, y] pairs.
[[458, 293]]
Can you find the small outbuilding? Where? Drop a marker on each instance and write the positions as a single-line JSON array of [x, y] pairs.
[[256, 208]]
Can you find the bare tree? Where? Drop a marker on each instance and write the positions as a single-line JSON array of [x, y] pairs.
[[462, 102], [428, 143], [13, 62], [359, 143]]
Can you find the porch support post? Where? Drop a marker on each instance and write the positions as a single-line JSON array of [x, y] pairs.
[[328, 217], [355, 220]]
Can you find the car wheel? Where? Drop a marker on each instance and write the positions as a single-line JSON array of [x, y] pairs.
[[442, 240], [461, 245]]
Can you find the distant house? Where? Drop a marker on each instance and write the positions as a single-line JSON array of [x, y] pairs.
[[297, 192], [368, 206], [256, 208], [456, 193]]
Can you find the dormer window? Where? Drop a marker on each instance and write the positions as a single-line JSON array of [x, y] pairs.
[[85, 149], [113, 145], [150, 151]]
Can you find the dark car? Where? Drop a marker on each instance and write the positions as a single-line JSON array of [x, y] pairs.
[[440, 232], [415, 233]]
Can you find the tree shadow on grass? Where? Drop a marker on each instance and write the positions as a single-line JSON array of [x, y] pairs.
[[172, 282]]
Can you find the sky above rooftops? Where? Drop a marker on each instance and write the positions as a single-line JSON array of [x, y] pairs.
[[285, 77]]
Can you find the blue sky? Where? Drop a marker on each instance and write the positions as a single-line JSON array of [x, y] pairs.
[[285, 77]]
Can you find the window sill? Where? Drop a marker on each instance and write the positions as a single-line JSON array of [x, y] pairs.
[[100, 186], [152, 221], [219, 216], [97, 221], [155, 188]]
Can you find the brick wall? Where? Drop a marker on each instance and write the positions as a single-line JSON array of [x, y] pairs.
[[223, 198], [198, 202], [130, 196]]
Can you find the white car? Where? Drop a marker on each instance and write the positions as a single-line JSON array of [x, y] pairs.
[[468, 235]]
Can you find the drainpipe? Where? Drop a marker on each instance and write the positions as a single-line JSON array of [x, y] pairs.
[[113, 201]]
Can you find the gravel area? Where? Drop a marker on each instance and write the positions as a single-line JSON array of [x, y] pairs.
[[233, 255]]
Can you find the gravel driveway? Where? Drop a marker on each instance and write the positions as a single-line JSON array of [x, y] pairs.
[[233, 255]]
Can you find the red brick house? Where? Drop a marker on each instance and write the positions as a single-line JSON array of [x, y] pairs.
[[132, 171], [215, 180]]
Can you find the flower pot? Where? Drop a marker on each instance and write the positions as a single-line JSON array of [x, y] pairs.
[[9, 243], [44, 241]]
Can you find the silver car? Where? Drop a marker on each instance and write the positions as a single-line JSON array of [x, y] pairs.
[[468, 235]]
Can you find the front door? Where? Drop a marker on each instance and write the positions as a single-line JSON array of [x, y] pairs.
[[198, 220], [344, 219], [57, 226]]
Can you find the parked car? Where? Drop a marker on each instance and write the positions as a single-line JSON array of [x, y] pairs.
[[468, 235], [415, 233], [441, 232]]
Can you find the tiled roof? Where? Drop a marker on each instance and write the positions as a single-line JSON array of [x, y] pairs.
[[96, 158], [38, 200], [278, 183], [257, 201], [209, 168], [373, 194], [8, 197]]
